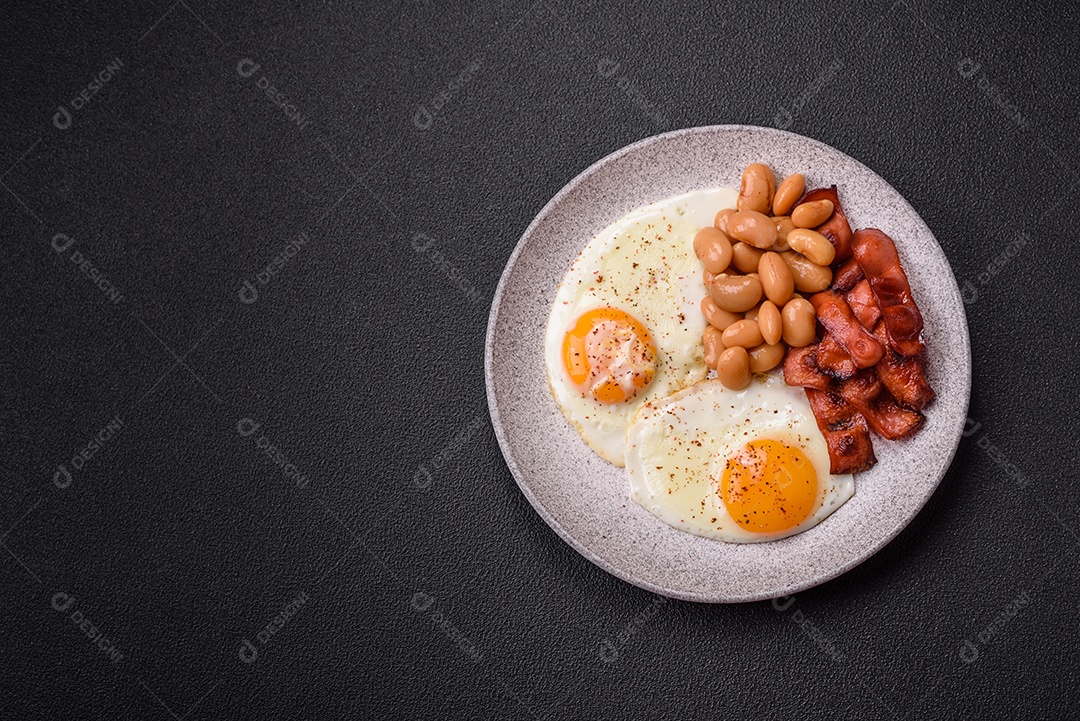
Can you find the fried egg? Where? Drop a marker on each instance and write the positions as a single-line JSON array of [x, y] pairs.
[[738, 466], [626, 324]]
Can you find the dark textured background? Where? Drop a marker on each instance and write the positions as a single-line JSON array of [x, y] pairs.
[[415, 578]]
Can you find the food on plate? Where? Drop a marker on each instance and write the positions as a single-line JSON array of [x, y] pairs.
[[863, 305], [716, 316], [808, 276], [862, 366], [863, 390], [770, 261], [745, 258], [834, 313], [811, 214], [814, 246], [713, 249], [903, 376], [770, 322], [798, 322], [847, 275], [742, 333], [845, 431], [783, 227], [721, 218], [735, 293], [766, 356], [626, 325], [733, 367], [801, 369], [753, 228], [833, 359], [741, 467], [714, 345], [787, 193], [876, 254], [757, 189], [665, 331], [836, 228], [776, 280]]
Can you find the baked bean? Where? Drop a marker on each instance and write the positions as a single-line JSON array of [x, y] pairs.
[[744, 333], [713, 249], [757, 188], [752, 227], [733, 368], [745, 258], [770, 323], [815, 246], [721, 219], [808, 276], [783, 227], [766, 356], [735, 293], [775, 278], [789, 191], [707, 277], [752, 313], [812, 214], [716, 316], [714, 345], [798, 320]]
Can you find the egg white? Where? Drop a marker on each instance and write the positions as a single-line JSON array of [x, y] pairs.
[[643, 264], [677, 447]]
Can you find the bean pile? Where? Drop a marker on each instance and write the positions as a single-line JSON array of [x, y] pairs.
[[759, 258]]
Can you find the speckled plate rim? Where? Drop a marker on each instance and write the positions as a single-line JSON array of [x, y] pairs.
[[624, 574]]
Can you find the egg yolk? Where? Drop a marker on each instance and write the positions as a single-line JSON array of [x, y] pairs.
[[768, 486], [609, 355]]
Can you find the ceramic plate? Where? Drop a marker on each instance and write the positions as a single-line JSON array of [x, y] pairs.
[[586, 500]]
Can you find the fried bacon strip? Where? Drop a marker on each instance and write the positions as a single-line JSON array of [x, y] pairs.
[[863, 305], [865, 392], [836, 228], [847, 275], [903, 376], [836, 316], [867, 371], [833, 360], [846, 434], [876, 254], [800, 369]]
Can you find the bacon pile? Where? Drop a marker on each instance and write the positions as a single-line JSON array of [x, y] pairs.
[[867, 369]]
